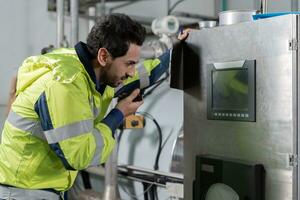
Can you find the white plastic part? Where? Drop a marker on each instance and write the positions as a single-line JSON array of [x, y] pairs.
[[220, 191], [168, 25]]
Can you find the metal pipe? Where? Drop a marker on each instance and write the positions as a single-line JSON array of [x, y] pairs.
[[60, 22], [294, 5], [111, 191], [168, 6], [263, 6], [74, 22], [100, 8], [92, 17], [220, 5], [224, 5]]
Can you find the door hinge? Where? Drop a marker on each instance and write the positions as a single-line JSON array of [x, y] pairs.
[[293, 44], [293, 160]]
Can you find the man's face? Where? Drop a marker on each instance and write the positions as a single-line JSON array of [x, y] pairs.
[[119, 69]]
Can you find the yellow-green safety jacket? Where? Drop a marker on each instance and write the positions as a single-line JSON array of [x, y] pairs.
[[57, 124]]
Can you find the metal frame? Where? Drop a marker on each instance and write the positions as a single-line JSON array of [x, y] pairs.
[[296, 113]]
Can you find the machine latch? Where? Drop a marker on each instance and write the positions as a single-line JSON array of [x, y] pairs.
[[293, 44], [293, 160]]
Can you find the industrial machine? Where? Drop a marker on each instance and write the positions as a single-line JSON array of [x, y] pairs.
[[243, 103]]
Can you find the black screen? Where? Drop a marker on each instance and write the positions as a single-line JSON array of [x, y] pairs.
[[230, 90]]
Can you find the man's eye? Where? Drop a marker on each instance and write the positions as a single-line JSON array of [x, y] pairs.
[[130, 63]]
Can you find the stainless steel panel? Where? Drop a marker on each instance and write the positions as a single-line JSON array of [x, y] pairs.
[[235, 16], [271, 139], [177, 154]]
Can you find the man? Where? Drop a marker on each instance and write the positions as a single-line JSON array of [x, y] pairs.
[[13, 82], [57, 124]]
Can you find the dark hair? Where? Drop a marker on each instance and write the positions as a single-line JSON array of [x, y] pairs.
[[47, 49], [115, 32]]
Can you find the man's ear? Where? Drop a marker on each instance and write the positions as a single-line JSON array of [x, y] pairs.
[[102, 56]]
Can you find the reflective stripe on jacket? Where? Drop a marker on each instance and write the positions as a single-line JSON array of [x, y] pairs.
[[55, 125]]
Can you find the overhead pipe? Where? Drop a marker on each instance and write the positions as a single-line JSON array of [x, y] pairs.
[[74, 21], [91, 17], [263, 6], [60, 22], [294, 5], [220, 5], [100, 8]]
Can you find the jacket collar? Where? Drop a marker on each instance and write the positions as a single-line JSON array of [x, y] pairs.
[[86, 58]]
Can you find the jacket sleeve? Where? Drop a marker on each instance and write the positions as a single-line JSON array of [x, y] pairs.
[[147, 73], [66, 112]]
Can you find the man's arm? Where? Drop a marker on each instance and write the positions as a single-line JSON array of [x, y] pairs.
[[149, 71], [67, 114]]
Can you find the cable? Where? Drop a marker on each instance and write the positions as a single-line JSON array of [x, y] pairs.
[[166, 140], [174, 6], [156, 167], [155, 85]]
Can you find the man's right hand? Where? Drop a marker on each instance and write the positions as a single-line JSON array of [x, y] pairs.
[[127, 105]]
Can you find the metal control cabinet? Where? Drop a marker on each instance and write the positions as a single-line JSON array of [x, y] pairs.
[[270, 140]]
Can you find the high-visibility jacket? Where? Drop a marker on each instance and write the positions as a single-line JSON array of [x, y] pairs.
[[55, 126]]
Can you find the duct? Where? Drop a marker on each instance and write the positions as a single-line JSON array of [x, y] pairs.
[[74, 22], [60, 22]]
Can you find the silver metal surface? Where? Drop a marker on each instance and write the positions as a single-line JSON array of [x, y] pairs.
[[60, 22], [274, 136], [207, 24], [226, 65], [111, 191], [296, 55], [149, 171], [74, 21], [235, 16], [263, 6], [177, 155]]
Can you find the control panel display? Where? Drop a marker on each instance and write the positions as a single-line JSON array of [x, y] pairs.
[[231, 91]]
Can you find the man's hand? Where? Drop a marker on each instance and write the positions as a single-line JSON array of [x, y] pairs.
[[184, 34], [127, 105]]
